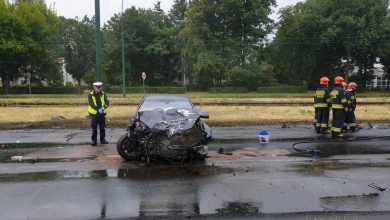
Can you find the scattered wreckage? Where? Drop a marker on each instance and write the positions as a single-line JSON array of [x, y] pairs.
[[167, 127]]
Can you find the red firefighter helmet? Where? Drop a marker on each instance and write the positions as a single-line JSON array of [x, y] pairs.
[[352, 85], [324, 80], [338, 80]]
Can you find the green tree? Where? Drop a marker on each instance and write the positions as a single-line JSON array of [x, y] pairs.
[[28, 30], [221, 35], [326, 37], [385, 50], [148, 43], [12, 27], [177, 16], [79, 43]]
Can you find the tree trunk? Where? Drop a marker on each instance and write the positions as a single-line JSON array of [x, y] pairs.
[[6, 83], [347, 66], [189, 82], [78, 86]]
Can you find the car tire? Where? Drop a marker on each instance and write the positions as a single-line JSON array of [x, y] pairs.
[[201, 154], [127, 148]]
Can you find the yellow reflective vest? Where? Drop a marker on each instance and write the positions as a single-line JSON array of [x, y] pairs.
[[322, 98], [91, 110], [338, 98]]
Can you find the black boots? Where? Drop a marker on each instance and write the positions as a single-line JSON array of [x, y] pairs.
[[94, 143]]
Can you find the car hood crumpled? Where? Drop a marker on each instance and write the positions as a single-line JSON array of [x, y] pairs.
[[172, 121]]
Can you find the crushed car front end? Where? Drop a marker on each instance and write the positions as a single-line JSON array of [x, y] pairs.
[[172, 134]]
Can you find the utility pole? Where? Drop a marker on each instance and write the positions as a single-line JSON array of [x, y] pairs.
[[123, 57], [98, 42]]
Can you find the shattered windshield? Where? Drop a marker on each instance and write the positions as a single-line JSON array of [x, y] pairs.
[[150, 104]]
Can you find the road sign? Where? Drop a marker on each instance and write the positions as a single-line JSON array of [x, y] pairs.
[[143, 75]]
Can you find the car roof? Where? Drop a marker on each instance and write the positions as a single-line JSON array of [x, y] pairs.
[[165, 96]]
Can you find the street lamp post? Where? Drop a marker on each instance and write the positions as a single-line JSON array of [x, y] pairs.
[[123, 56], [98, 41]]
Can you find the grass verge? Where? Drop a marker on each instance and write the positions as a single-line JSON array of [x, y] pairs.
[[199, 98], [76, 116]]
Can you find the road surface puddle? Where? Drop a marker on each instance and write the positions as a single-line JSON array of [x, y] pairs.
[[364, 202], [139, 173], [238, 209], [28, 145], [319, 166]]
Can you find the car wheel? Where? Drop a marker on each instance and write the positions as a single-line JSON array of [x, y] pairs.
[[201, 154], [127, 148]]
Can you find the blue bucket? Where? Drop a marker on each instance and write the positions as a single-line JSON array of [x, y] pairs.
[[264, 137]]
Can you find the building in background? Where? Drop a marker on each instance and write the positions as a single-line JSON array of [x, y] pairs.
[[380, 81], [67, 77]]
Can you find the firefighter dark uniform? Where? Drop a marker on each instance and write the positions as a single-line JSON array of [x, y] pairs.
[[322, 102], [97, 109], [351, 104], [339, 103]]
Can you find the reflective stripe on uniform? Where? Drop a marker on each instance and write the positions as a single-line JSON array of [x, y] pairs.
[[337, 106], [324, 125], [336, 129], [321, 105], [92, 110], [334, 94], [320, 94]]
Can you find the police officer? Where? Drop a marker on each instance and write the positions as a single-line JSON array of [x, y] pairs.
[[351, 104], [322, 103], [97, 109], [339, 107]]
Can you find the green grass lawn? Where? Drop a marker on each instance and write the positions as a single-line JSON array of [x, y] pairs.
[[77, 116], [197, 97], [17, 113]]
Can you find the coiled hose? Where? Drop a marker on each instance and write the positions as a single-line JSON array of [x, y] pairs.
[[316, 151]]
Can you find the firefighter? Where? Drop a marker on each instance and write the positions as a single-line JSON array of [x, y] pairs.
[[339, 107], [97, 109], [344, 85], [351, 104], [322, 103]]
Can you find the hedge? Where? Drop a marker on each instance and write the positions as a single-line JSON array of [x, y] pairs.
[[282, 89], [75, 90], [229, 90], [45, 90], [164, 90]]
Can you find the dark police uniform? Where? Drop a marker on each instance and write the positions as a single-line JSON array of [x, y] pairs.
[[339, 103], [98, 101], [322, 102], [350, 114]]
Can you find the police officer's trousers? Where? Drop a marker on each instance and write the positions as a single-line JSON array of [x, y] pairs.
[[98, 119]]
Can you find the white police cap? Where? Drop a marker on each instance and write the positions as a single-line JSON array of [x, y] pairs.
[[97, 84]]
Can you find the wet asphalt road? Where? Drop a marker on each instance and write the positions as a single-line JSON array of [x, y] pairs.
[[61, 177]]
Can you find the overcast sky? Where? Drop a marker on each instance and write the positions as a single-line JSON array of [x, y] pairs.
[[79, 8]]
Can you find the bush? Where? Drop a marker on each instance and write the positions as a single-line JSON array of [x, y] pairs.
[[282, 89], [164, 90], [229, 90], [45, 90], [252, 76]]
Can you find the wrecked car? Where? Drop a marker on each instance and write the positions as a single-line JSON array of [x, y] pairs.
[[166, 127]]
